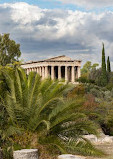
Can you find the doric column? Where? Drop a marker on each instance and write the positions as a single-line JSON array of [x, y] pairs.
[[52, 73], [32, 69], [46, 71], [40, 71], [66, 74], [73, 74], [28, 71], [37, 71], [43, 74], [59, 72], [79, 72]]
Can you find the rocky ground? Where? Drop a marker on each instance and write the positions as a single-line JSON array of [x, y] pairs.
[[107, 148]]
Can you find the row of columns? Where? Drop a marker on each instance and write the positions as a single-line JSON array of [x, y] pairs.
[[44, 72]]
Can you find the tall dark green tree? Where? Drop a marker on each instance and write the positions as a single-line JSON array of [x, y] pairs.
[[9, 50], [104, 73], [108, 65]]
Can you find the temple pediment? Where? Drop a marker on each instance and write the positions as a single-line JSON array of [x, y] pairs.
[[59, 58]]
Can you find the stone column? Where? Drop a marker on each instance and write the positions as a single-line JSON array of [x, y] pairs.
[[59, 72], [43, 74], [46, 71], [37, 70], [28, 70], [52, 73], [79, 72], [73, 74], [40, 71], [26, 154], [66, 74]]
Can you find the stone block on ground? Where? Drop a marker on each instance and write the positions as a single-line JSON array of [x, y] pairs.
[[26, 154], [100, 140], [69, 156], [91, 138]]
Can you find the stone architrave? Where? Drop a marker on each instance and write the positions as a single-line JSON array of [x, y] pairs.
[[52, 68], [26, 154], [69, 156]]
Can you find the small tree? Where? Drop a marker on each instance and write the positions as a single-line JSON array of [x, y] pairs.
[[9, 50], [108, 65], [103, 74]]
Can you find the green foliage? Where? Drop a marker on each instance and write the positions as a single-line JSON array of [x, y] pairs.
[[9, 50], [95, 76], [100, 76], [102, 105], [108, 65], [40, 114], [88, 67], [104, 74], [85, 72]]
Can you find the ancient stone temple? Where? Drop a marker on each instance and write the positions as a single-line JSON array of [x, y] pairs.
[[60, 67]]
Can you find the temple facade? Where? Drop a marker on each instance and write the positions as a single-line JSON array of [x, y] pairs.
[[60, 67]]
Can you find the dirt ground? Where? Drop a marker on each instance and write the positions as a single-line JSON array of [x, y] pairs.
[[107, 148]]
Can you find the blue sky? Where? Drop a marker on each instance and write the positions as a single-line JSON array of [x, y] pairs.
[[53, 4], [47, 28], [48, 4]]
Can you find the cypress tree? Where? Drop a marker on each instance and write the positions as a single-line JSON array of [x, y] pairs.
[[108, 65], [104, 73]]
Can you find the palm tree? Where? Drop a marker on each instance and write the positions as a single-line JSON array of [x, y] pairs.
[[39, 109]]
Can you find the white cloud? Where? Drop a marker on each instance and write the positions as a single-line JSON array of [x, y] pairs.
[[89, 3], [45, 32]]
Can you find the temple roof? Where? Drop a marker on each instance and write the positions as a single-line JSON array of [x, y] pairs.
[[54, 59], [59, 58]]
